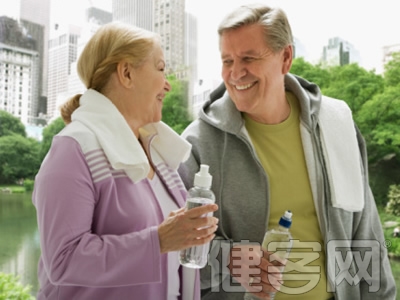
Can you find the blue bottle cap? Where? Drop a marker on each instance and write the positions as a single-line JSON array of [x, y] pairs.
[[286, 219]]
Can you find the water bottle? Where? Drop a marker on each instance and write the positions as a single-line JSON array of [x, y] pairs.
[[200, 194], [282, 241]]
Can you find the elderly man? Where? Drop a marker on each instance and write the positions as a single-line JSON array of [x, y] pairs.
[[274, 143]]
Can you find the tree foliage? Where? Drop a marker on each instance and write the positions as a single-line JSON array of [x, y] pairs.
[[19, 158], [379, 121], [393, 205], [47, 136], [312, 73], [12, 288], [175, 106], [392, 71], [353, 84], [10, 125]]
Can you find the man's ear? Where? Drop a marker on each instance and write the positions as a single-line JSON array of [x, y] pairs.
[[125, 73], [287, 59]]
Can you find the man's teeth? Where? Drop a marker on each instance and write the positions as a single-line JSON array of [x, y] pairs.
[[243, 87]]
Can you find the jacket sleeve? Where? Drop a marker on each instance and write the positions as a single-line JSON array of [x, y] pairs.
[[367, 226], [65, 200]]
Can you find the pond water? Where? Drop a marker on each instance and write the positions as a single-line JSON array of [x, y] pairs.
[[19, 238], [20, 246]]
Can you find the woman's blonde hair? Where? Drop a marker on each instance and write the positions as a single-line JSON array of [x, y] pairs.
[[111, 44]]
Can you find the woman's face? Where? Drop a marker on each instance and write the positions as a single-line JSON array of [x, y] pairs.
[[149, 89]]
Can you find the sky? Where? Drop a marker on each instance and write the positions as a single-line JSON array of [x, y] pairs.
[[367, 25]]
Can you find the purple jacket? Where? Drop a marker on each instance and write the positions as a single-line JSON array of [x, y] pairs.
[[98, 229]]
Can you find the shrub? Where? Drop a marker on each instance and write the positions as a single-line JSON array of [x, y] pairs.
[[28, 185], [393, 205], [12, 289]]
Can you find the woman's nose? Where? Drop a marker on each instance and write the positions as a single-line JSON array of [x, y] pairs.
[[167, 86]]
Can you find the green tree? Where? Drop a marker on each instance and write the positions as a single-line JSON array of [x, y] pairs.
[[312, 73], [19, 158], [353, 84], [175, 105], [12, 289], [379, 121], [393, 205], [392, 71], [10, 125], [47, 136]]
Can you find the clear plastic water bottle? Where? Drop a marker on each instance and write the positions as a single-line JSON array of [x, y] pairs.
[[200, 194], [282, 240]]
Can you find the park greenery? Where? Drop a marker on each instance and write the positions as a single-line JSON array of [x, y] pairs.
[[12, 289], [373, 98]]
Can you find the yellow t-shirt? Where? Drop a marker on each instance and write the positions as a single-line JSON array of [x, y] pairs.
[[279, 148]]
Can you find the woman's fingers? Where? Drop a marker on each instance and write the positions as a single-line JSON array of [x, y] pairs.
[[198, 212], [176, 212], [187, 228]]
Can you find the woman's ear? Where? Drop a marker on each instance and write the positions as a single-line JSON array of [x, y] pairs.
[[125, 72]]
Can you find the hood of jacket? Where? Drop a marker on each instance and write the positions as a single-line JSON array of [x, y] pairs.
[[220, 111]]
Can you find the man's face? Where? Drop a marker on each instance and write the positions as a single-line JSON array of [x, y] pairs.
[[252, 73]]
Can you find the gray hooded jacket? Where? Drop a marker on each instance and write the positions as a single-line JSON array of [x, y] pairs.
[[220, 140]]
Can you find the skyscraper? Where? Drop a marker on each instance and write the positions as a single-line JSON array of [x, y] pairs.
[[33, 18], [63, 47], [169, 23], [167, 18], [191, 58], [94, 18], [38, 12], [339, 52], [135, 12], [19, 70]]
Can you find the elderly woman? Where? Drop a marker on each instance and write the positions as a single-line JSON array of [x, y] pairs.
[[108, 197]]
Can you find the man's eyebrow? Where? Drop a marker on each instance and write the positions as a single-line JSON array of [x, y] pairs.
[[245, 53]]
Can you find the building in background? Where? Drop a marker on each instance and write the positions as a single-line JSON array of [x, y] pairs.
[[191, 57], [95, 15], [339, 52], [19, 70], [388, 53], [94, 18], [63, 51], [202, 91], [299, 50], [33, 19], [38, 12], [58, 43], [135, 12], [167, 18], [169, 23]]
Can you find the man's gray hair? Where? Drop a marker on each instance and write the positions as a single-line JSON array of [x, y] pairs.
[[278, 33]]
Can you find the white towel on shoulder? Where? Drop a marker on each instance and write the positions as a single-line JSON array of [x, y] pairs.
[[118, 141], [342, 155]]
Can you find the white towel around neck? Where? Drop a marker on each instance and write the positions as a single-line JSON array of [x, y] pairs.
[[118, 141], [342, 155]]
